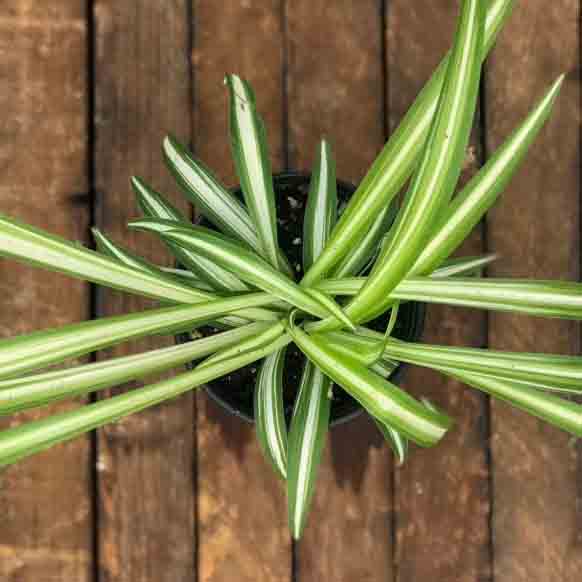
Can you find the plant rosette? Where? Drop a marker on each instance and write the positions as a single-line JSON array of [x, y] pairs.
[[359, 262]]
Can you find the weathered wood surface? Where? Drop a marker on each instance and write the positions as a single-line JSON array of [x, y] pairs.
[[46, 520], [441, 496], [335, 62], [145, 464], [182, 492], [242, 528], [537, 522]]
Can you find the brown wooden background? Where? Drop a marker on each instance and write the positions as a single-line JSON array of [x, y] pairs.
[[87, 90]]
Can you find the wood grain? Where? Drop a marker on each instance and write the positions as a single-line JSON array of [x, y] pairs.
[[335, 80], [241, 514], [442, 494], [45, 504], [145, 463], [536, 524]]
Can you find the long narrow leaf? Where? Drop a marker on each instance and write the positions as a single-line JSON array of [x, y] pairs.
[[267, 336], [471, 204], [552, 409], [463, 266], [438, 171], [397, 442], [107, 246], [559, 299], [548, 371], [398, 159], [380, 398], [363, 252], [541, 298], [248, 266], [43, 348], [309, 427], [31, 245], [270, 412], [155, 206], [27, 439], [251, 156], [321, 209], [365, 350], [211, 198], [41, 389]]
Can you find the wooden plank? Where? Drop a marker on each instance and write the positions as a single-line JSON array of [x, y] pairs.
[[242, 529], [336, 90], [44, 501], [145, 463], [535, 228], [442, 497]]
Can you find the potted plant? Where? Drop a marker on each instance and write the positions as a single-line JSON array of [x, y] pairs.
[[349, 304]]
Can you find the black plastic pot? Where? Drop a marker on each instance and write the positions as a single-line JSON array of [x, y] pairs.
[[234, 392]]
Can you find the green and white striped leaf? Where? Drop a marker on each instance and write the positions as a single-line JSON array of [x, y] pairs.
[[270, 412], [212, 199], [43, 348], [24, 440], [440, 166], [321, 209], [366, 350], [463, 266], [383, 400], [398, 158], [268, 335], [360, 256], [552, 409], [542, 298], [248, 266], [108, 247], [251, 157], [28, 392], [546, 371], [397, 442], [471, 204], [155, 206], [33, 246], [307, 434]]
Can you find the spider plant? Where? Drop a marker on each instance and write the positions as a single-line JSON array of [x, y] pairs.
[[356, 266]]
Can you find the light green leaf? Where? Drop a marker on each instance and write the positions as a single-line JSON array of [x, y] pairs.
[[41, 389], [360, 255], [366, 350], [542, 298], [434, 182], [248, 266], [270, 412], [36, 247], [321, 209], [547, 371], [471, 204], [380, 398], [155, 206], [552, 409], [43, 348], [398, 159], [251, 157], [212, 199], [397, 442], [309, 427], [27, 439], [463, 266], [107, 247], [258, 341]]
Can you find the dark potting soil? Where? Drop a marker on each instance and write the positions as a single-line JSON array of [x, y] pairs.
[[235, 391]]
